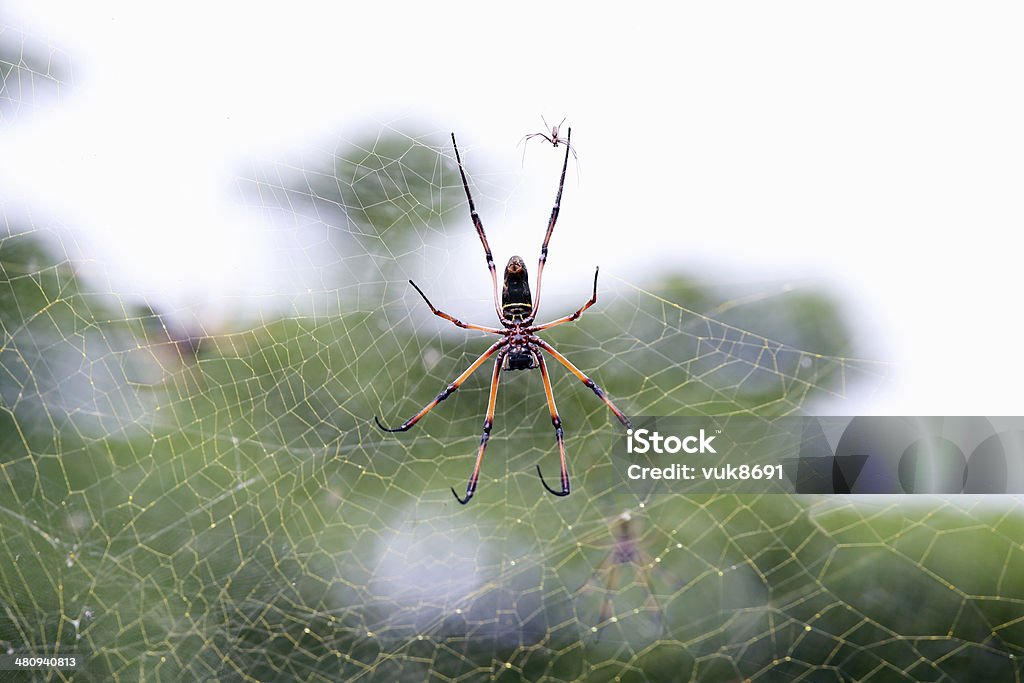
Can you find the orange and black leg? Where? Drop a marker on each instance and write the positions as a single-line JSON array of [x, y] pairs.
[[583, 378], [556, 421], [573, 316], [452, 319], [551, 223], [480, 232], [448, 390], [488, 423]]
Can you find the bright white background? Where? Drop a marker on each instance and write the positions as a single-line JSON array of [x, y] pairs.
[[873, 148]]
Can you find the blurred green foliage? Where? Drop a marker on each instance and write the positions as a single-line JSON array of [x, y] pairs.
[[174, 508]]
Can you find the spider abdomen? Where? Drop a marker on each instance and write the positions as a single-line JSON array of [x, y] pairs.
[[516, 302], [520, 359]]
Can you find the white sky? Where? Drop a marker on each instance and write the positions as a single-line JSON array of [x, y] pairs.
[[875, 147]]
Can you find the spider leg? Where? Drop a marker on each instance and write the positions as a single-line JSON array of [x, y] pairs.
[[556, 421], [610, 569], [569, 318], [583, 378], [480, 232], [651, 605], [530, 136], [527, 138], [551, 226], [455, 321], [488, 423], [609, 586], [448, 390]]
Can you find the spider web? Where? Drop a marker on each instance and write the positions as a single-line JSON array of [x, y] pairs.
[[180, 503]]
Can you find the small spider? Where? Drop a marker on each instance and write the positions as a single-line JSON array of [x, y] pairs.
[[519, 348], [553, 137], [607, 579]]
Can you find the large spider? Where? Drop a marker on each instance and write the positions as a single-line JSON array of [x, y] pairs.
[[519, 347]]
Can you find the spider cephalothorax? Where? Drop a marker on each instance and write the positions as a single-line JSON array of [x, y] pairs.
[[519, 348]]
